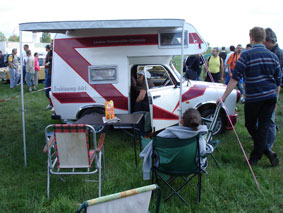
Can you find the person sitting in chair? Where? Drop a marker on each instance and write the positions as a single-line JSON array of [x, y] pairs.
[[190, 127]]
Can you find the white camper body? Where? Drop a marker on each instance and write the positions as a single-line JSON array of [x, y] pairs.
[[93, 65]]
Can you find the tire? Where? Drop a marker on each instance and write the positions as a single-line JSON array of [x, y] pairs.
[[93, 111], [220, 123]]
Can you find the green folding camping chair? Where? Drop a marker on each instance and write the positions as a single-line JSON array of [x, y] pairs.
[[175, 157], [134, 200]]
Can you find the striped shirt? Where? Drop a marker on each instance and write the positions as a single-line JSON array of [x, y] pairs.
[[262, 74]]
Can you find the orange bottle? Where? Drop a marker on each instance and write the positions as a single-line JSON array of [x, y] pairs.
[[109, 110]]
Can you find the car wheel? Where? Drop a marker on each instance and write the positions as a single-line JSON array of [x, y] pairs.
[[93, 111], [220, 123]]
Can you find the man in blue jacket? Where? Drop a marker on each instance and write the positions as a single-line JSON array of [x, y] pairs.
[[272, 45]]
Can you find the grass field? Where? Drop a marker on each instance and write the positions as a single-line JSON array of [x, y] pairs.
[[23, 189]]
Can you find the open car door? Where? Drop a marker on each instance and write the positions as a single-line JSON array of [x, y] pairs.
[[163, 98]]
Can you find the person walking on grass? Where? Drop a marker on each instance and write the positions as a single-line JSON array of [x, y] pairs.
[[37, 69], [223, 53], [193, 67], [215, 66], [14, 68], [261, 70], [47, 48], [271, 44], [226, 67], [24, 55], [233, 58], [30, 71], [48, 66]]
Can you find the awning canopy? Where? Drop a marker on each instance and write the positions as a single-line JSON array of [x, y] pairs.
[[63, 26]]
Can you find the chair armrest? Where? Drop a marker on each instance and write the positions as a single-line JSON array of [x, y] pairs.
[[100, 142], [50, 142], [214, 143]]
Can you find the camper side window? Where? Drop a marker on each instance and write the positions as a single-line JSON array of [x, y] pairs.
[[160, 76], [102, 74], [172, 39]]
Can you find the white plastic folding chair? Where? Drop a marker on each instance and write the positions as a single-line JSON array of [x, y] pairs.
[[72, 150], [134, 200]]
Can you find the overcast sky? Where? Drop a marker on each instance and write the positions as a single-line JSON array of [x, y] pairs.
[[220, 22]]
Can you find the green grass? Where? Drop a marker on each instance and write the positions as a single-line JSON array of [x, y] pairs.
[[23, 189]]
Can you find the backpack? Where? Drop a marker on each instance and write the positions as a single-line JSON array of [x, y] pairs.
[[6, 59], [223, 55]]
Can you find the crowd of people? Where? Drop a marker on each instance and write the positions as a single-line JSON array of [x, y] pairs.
[[257, 73], [261, 68], [31, 68]]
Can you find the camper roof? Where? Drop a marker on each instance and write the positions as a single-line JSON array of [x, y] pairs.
[[63, 26]]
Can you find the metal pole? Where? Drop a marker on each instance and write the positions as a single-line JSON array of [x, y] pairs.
[[181, 74], [22, 99]]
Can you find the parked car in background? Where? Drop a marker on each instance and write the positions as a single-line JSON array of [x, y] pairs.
[[5, 73]]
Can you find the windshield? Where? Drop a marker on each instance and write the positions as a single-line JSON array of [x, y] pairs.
[[176, 72]]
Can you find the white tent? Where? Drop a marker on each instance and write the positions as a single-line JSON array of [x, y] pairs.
[[65, 26]]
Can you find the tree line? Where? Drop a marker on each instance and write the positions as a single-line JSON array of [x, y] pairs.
[[45, 38]]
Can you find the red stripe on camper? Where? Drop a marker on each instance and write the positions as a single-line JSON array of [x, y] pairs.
[[65, 48], [161, 114], [195, 39], [194, 92], [73, 97]]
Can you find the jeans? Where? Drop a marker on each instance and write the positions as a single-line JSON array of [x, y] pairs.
[[14, 77], [239, 84], [24, 74], [259, 112], [227, 78], [30, 79], [46, 73], [271, 132], [47, 84], [240, 87]]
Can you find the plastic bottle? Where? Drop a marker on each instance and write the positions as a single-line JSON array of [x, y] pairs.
[[109, 110]]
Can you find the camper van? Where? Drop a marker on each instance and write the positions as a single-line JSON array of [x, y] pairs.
[[94, 62]]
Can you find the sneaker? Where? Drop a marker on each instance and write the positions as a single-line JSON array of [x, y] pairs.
[[30, 89], [242, 100], [48, 107], [52, 110], [272, 156]]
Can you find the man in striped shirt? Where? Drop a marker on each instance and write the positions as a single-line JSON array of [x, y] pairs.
[[261, 71]]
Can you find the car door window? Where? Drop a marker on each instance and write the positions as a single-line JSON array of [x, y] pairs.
[[160, 76]]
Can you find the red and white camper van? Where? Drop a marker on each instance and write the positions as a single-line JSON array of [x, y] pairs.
[[93, 63]]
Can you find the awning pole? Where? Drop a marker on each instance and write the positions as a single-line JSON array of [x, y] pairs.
[[22, 99], [181, 75]]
